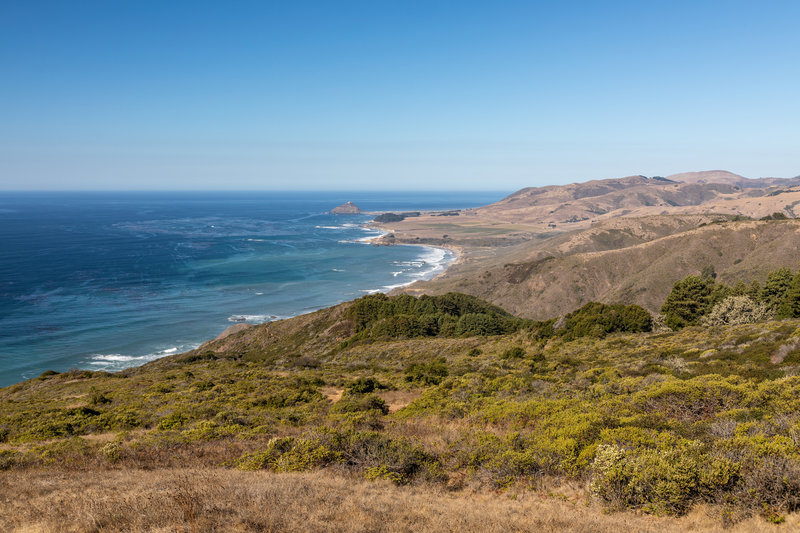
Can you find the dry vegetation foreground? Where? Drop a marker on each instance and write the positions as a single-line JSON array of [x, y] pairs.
[[230, 500]]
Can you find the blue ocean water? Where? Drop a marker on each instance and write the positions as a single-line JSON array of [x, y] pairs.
[[111, 280]]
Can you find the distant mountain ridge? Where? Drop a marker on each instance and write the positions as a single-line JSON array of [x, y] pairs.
[[717, 190]]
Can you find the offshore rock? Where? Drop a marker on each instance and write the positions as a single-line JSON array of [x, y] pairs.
[[348, 208]]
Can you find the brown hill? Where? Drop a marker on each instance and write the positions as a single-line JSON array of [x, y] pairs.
[[579, 204], [723, 176], [642, 273]]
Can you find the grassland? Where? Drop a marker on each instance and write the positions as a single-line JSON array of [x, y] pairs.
[[699, 426]]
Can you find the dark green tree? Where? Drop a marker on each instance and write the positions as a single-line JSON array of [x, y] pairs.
[[776, 288], [790, 304], [690, 299]]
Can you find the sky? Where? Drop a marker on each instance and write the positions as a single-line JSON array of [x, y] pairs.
[[390, 94]]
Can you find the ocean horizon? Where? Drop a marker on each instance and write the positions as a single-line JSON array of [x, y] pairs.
[[109, 280]]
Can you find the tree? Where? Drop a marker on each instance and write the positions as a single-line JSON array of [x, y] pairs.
[[790, 304], [776, 288], [690, 299], [752, 290]]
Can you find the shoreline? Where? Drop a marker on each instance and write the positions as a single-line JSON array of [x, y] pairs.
[[437, 267], [373, 240], [456, 250]]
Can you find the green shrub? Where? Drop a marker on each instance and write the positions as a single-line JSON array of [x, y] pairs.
[[9, 458], [382, 472], [97, 398], [598, 320], [173, 421], [203, 385], [290, 397], [427, 373], [516, 352], [370, 449], [666, 481], [451, 314], [112, 451], [355, 403], [289, 454], [364, 386]]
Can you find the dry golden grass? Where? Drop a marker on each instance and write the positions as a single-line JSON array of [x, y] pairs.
[[227, 500]]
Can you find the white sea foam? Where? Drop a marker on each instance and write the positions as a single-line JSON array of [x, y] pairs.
[[434, 260], [431, 261], [337, 270], [253, 319], [117, 361], [101, 359], [387, 288]]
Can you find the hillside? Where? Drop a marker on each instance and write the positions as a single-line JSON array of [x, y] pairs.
[[611, 264], [525, 424]]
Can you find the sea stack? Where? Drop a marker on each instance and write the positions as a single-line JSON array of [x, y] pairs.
[[348, 208]]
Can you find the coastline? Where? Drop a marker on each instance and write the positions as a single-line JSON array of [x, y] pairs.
[[375, 240], [458, 251], [426, 262]]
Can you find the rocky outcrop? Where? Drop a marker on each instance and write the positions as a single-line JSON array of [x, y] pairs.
[[347, 208]]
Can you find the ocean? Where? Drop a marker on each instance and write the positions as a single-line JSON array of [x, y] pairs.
[[104, 281]]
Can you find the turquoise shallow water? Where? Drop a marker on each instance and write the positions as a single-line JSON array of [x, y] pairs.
[[110, 280]]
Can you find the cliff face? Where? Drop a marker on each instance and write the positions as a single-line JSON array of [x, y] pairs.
[[348, 208]]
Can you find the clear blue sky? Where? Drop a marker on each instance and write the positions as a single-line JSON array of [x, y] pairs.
[[393, 94]]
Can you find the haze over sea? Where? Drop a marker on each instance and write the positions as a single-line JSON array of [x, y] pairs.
[[104, 281]]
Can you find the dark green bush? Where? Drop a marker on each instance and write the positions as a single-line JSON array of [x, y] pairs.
[[364, 386], [451, 314], [597, 320], [427, 373], [516, 352], [97, 398]]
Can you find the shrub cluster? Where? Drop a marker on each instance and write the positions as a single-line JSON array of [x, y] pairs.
[[448, 315], [377, 455], [701, 299], [598, 320]]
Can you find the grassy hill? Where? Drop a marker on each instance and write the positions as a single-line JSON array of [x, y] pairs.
[[661, 423]]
